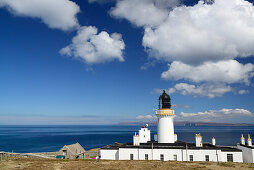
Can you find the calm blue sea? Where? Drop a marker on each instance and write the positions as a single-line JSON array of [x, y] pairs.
[[51, 138]]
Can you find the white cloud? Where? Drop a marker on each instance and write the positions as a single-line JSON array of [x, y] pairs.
[[243, 92], [143, 12], [215, 115], [230, 71], [206, 90], [150, 117], [201, 42], [60, 14], [200, 33], [182, 106], [93, 47]]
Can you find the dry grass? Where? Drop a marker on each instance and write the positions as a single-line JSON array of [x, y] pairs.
[[53, 164]]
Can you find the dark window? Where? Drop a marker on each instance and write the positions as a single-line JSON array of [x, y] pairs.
[[146, 156], [131, 156], [144, 136], [175, 157], [207, 158], [191, 157], [230, 157], [162, 157]]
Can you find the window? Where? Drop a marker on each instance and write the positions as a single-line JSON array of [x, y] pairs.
[[146, 156], [191, 157], [207, 158], [161, 157], [175, 157], [230, 157], [131, 156]]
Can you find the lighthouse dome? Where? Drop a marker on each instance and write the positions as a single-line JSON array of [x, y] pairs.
[[164, 101]]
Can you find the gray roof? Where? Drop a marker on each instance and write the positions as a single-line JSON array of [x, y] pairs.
[[75, 149], [251, 147]]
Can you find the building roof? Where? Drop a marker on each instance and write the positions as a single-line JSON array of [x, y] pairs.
[[251, 147], [75, 149], [177, 145]]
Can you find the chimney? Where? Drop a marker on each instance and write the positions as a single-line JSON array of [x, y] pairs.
[[155, 137], [136, 140], [213, 141], [249, 140], [199, 140], [242, 140], [175, 137]]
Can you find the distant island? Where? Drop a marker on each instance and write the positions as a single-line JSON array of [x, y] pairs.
[[187, 123]]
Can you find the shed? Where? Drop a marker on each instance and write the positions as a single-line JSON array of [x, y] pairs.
[[73, 151]]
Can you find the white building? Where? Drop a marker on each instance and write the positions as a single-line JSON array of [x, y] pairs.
[[247, 150], [165, 145]]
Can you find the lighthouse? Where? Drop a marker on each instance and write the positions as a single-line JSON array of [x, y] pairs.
[[165, 117]]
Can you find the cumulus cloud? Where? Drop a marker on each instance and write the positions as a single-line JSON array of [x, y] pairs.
[[143, 13], [230, 71], [201, 42], [93, 47], [150, 117], [204, 32], [205, 90], [60, 14], [215, 115]]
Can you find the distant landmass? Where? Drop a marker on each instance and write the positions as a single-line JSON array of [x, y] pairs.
[[187, 123]]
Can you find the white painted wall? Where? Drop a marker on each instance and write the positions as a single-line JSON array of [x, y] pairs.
[[168, 154], [109, 154], [165, 129], [198, 154], [124, 153], [237, 156], [199, 142], [248, 154], [136, 140], [144, 135], [213, 141], [175, 137]]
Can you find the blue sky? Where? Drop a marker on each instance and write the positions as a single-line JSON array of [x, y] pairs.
[[105, 62]]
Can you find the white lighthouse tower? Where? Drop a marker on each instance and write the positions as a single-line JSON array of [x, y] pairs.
[[165, 120]]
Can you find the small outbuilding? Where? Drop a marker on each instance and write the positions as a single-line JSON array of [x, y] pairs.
[[74, 151]]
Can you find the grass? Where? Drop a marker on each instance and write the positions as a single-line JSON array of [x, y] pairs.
[[54, 164]]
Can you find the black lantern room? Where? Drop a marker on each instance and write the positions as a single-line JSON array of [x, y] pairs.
[[164, 101]]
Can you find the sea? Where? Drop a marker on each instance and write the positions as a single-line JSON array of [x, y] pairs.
[[34, 139]]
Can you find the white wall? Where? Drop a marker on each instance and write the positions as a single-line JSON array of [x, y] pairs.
[[124, 153], [109, 154], [248, 154], [165, 129], [198, 154], [237, 156], [139, 154], [168, 154], [144, 135]]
